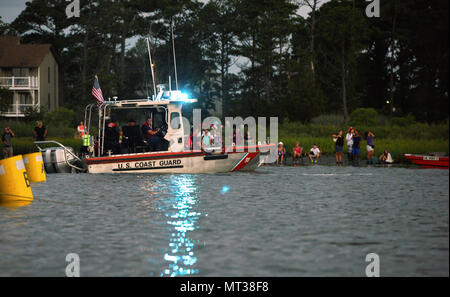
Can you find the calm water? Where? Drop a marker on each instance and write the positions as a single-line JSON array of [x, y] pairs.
[[286, 221]]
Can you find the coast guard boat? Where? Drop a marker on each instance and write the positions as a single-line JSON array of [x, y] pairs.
[[176, 156]]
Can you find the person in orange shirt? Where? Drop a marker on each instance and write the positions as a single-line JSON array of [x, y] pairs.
[[80, 129]]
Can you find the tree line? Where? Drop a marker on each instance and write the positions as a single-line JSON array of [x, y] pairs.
[[254, 57]]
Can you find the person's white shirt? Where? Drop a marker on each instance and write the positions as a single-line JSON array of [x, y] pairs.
[[349, 139], [389, 159], [315, 151]]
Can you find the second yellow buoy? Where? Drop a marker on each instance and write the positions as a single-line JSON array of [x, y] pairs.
[[35, 167]]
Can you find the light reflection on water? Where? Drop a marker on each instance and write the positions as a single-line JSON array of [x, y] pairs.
[[182, 219]]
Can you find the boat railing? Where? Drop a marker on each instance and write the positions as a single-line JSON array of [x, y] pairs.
[[66, 150]]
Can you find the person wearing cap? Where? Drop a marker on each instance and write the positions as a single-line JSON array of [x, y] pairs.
[[131, 136], [314, 154], [112, 137], [281, 153], [150, 135], [349, 140]]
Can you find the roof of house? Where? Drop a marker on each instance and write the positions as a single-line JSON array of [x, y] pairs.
[[14, 54]]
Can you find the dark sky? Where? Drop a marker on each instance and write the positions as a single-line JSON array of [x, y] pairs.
[[10, 9]]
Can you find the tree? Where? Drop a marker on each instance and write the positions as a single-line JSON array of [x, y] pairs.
[[343, 32]]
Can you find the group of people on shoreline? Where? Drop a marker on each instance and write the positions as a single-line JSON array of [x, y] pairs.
[[353, 141], [39, 132]]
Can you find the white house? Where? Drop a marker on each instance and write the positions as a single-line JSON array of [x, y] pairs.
[[31, 72]]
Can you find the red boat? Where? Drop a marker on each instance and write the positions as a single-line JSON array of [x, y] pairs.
[[429, 161]]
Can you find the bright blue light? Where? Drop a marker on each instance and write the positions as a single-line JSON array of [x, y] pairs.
[[184, 96], [224, 190]]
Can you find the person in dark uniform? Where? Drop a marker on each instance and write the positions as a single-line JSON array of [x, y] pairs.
[[112, 137], [131, 136], [40, 132], [150, 135]]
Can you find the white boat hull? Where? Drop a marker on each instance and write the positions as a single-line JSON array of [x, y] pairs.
[[184, 162]]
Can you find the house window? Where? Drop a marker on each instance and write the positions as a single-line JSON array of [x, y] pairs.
[[20, 72], [49, 75]]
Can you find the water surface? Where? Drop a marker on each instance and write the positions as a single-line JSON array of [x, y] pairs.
[[277, 221]]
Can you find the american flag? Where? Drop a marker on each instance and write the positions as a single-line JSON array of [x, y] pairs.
[[97, 92]]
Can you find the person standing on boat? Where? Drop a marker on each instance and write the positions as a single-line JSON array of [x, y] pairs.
[[7, 142], [112, 137], [349, 139], [356, 152], [40, 132], [339, 147], [153, 140], [369, 136]]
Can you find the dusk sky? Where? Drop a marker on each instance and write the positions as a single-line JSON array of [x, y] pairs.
[[10, 9]]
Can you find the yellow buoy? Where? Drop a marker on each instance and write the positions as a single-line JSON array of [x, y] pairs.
[[35, 167], [14, 182]]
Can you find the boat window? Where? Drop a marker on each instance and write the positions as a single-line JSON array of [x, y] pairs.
[[175, 120]]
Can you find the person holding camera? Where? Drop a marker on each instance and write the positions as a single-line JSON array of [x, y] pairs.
[[369, 136], [7, 142]]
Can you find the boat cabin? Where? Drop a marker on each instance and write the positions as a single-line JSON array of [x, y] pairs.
[[141, 125]]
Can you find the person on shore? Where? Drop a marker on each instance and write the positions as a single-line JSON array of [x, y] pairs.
[[349, 140], [386, 157], [207, 140], [369, 136], [40, 132], [339, 147], [281, 155], [356, 152], [297, 152], [81, 130], [314, 154], [7, 142]]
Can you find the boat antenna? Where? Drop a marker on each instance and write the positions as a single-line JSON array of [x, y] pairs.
[[174, 55], [151, 66]]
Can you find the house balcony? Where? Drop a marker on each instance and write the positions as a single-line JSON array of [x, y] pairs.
[[19, 110], [20, 83]]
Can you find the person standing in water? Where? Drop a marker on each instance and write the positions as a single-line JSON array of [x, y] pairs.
[[349, 139], [369, 136], [339, 147]]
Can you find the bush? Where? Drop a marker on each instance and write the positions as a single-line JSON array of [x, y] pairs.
[[364, 117], [403, 121], [34, 114], [61, 117]]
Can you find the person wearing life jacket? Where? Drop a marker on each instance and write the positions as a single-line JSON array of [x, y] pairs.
[[86, 143]]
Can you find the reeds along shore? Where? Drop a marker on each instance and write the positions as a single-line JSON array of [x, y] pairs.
[[418, 138]]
